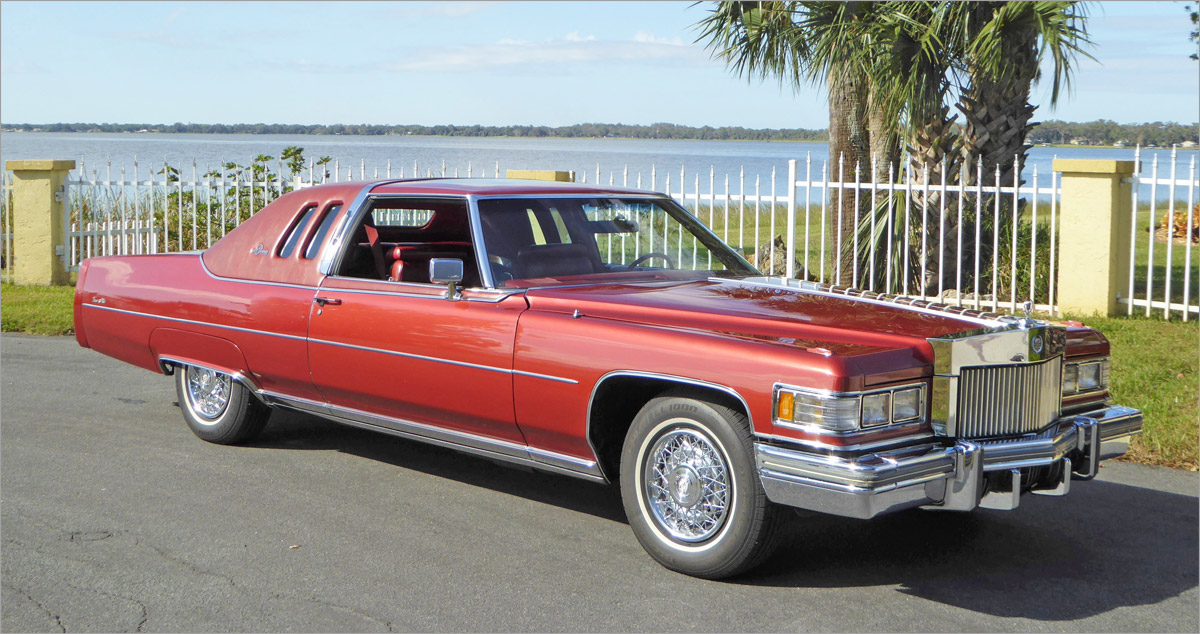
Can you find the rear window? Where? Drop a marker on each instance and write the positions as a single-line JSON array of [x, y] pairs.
[[401, 217]]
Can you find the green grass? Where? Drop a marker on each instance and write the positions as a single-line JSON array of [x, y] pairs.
[[1154, 369], [1153, 366], [37, 310]]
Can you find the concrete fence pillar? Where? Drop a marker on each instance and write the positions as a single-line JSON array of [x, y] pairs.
[[1094, 234], [38, 197]]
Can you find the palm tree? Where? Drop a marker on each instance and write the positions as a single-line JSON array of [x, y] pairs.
[[892, 69], [1001, 46], [798, 43]]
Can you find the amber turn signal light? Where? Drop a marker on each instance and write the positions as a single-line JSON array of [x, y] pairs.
[[784, 410]]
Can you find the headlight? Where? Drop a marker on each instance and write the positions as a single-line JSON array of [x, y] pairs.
[[907, 404], [876, 409], [1085, 376], [1089, 376], [831, 411], [847, 412], [1070, 379]]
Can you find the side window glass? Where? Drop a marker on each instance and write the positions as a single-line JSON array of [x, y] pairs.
[[314, 245], [297, 230]]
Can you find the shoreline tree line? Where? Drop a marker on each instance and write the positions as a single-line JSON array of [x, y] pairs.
[[1100, 132]]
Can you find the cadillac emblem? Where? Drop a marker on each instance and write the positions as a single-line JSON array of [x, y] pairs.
[[1037, 344]]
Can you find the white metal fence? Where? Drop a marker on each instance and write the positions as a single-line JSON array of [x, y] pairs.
[[1159, 278], [968, 240]]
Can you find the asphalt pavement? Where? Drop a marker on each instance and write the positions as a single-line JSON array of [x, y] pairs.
[[114, 517]]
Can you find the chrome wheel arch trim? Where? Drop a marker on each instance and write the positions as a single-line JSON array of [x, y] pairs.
[[670, 378], [466, 442], [168, 365]]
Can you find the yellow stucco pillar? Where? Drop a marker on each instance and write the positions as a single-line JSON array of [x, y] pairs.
[[541, 175], [38, 222], [1094, 234]]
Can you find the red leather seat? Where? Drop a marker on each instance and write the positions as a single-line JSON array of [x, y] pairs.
[[410, 262]]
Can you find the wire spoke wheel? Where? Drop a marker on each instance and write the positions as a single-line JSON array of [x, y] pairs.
[[207, 392], [690, 486], [686, 482]]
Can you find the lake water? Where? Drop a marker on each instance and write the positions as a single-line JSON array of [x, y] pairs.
[[481, 155]]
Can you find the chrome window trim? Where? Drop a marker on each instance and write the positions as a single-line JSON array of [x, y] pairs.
[[662, 198], [363, 202], [587, 430], [333, 252], [823, 431], [196, 322], [481, 255], [466, 442], [496, 295]]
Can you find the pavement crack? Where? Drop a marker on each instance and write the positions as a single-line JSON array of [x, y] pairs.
[[145, 612], [191, 566], [53, 617], [355, 611]]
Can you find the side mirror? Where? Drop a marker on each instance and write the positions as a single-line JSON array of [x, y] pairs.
[[447, 271]]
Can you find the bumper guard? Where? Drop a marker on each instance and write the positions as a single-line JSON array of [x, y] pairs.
[[946, 477]]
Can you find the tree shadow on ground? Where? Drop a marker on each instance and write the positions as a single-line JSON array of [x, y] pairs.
[[1104, 546]]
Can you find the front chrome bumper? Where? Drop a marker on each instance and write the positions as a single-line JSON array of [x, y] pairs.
[[967, 475]]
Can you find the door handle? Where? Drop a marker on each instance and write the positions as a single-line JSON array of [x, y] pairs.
[[327, 301]]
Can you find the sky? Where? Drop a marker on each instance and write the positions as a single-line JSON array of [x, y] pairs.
[[486, 63]]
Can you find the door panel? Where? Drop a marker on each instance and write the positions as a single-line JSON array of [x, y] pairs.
[[404, 351]]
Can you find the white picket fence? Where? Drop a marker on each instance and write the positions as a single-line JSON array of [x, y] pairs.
[[994, 264]]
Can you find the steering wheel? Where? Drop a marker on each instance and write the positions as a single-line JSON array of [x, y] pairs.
[[663, 256]]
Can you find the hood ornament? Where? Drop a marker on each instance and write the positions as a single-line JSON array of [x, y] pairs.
[[1027, 308]]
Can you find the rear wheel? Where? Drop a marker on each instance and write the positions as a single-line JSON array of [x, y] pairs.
[[217, 408], [690, 487]]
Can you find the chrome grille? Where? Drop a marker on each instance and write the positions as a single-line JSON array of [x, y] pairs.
[[1009, 399]]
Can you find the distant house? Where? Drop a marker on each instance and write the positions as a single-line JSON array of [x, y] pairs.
[[1188, 144]]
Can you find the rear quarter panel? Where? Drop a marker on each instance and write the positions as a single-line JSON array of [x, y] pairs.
[[136, 308]]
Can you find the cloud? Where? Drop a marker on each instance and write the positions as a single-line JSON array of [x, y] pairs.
[[573, 48], [650, 38]]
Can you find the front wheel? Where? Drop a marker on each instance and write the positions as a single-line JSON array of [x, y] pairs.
[[216, 407], [690, 488]]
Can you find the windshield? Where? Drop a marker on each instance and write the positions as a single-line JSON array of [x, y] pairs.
[[556, 241]]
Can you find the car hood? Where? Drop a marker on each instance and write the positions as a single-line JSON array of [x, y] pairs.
[[834, 324]]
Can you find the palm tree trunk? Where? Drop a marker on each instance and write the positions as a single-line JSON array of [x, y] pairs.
[[849, 154], [996, 111]]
